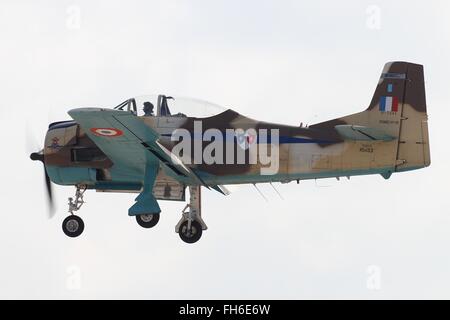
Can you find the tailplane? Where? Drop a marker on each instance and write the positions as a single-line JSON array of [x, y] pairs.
[[396, 117]]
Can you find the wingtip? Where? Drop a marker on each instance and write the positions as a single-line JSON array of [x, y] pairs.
[[77, 110]]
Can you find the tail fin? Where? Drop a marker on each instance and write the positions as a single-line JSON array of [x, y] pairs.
[[397, 109], [413, 142]]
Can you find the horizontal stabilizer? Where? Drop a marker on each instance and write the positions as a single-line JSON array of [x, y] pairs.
[[362, 133]]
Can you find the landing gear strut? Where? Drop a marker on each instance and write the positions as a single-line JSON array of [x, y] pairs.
[[73, 225], [191, 225]]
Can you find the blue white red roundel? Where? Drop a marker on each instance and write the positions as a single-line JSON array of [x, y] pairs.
[[107, 132]]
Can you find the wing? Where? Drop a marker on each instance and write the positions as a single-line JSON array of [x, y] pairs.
[[129, 142]]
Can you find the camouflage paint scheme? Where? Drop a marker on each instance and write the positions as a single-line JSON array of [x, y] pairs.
[[368, 142]]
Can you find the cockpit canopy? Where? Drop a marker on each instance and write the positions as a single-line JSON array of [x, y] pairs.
[[169, 106]]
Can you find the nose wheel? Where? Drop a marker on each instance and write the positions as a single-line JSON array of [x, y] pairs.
[[73, 226]]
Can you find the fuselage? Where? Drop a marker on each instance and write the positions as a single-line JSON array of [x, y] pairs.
[[319, 151]]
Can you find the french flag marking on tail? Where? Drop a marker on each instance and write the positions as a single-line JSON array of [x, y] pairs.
[[388, 104]]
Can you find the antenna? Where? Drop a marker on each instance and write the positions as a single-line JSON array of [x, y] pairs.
[[260, 192], [279, 194]]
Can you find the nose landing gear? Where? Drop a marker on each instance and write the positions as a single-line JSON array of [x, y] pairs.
[[73, 225]]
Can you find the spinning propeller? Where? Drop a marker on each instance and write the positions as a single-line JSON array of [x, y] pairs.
[[39, 156]]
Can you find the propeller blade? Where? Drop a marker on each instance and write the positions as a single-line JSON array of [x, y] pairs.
[[31, 142], [39, 156], [51, 206]]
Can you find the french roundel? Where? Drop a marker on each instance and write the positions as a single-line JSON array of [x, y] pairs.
[[107, 132]]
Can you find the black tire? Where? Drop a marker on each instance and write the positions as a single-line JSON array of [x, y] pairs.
[[193, 235], [147, 220], [73, 226]]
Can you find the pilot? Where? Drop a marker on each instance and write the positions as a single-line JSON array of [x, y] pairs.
[[148, 109]]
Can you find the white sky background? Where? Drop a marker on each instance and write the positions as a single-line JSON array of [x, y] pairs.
[[281, 61]]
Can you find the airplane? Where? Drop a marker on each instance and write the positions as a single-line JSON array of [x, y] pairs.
[[159, 153]]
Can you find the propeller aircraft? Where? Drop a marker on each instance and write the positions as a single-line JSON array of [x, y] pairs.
[[158, 153]]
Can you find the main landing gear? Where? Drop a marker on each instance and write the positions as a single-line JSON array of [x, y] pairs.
[[190, 231], [73, 225], [147, 220], [191, 225]]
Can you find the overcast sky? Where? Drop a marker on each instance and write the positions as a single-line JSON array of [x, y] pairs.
[[270, 60]]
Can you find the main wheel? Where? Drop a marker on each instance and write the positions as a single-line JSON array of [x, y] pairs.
[[73, 226], [147, 220], [190, 235]]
